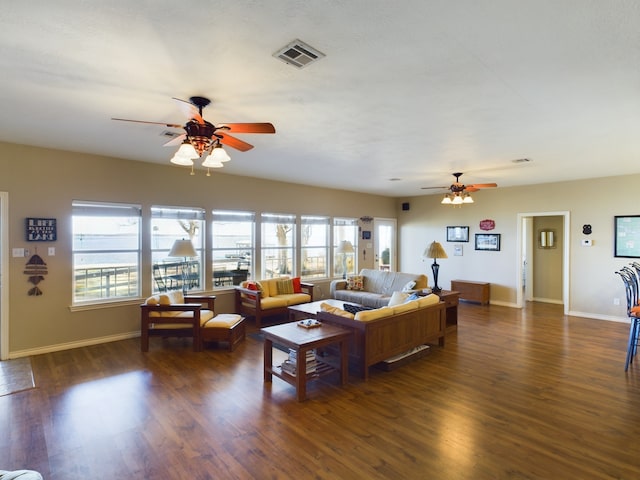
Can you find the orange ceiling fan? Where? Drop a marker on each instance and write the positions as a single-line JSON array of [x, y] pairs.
[[201, 136], [460, 193]]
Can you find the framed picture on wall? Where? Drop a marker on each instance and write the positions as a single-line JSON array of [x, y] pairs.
[[457, 234], [488, 241], [627, 236]]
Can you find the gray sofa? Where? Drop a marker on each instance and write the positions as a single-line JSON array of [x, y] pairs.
[[378, 286]]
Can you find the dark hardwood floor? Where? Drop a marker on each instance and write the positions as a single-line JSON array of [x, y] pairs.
[[514, 394]]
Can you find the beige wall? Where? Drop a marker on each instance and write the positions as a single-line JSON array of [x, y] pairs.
[[43, 183], [592, 283]]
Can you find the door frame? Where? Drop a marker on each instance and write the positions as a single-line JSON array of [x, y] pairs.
[[566, 300], [4, 276]]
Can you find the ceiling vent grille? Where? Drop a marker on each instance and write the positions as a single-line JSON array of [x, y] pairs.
[[298, 54]]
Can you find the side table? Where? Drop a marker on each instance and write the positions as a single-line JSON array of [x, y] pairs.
[[451, 300], [301, 340]]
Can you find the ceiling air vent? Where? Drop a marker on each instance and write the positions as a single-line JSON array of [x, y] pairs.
[[298, 54]]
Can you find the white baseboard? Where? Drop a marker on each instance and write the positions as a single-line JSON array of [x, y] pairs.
[[67, 346], [595, 316]]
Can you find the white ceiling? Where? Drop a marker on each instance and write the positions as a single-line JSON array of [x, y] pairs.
[[409, 89]]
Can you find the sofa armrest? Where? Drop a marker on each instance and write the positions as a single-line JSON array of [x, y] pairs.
[[340, 284], [307, 288]]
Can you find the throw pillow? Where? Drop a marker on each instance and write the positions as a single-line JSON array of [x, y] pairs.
[[409, 286], [285, 287], [297, 288], [397, 298], [413, 296], [355, 308], [252, 286], [355, 282]]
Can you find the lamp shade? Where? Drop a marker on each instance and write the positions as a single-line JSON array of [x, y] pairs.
[[211, 162], [345, 246], [182, 248], [435, 250], [218, 154]]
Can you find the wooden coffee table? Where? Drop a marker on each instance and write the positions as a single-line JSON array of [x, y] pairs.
[[311, 309], [302, 340]]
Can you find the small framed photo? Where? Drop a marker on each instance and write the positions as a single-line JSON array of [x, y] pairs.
[[457, 234], [457, 250], [488, 241]]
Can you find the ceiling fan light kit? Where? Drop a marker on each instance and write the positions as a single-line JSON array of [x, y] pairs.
[[203, 139], [460, 193]]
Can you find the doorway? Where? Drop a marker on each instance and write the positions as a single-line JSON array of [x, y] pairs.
[[527, 244], [4, 276], [384, 244]]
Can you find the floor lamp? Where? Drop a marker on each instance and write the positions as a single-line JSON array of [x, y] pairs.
[[435, 251], [183, 249], [345, 247]]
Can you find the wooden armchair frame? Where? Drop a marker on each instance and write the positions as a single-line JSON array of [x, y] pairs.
[[192, 324]]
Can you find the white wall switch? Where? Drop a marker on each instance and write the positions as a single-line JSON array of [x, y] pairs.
[[17, 252], [586, 242], [52, 251]]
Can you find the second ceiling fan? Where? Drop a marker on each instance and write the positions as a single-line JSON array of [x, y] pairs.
[[459, 193]]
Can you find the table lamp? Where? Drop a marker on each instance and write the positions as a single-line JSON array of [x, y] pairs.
[[435, 251], [345, 247], [183, 249]]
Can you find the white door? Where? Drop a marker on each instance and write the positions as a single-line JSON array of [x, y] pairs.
[[384, 244]]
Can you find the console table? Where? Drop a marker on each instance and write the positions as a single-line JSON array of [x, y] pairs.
[[472, 291]]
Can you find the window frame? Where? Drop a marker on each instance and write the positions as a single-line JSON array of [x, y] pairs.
[[244, 253], [307, 222], [104, 210], [169, 271], [338, 236], [287, 252]]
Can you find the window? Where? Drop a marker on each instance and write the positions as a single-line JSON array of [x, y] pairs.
[[345, 229], [233, 247], [278, 248], [169, 224], [106, 251], [315, 246]]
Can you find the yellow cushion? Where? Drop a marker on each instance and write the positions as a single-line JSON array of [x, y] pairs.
[[223, 320], [325, 307], [205, 315], [152, 300], [164, 300], [430, 299], [368, 315], [272, 302], [406, 307], [295, 298]]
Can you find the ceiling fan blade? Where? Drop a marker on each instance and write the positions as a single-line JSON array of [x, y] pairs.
[[483, 185], [175, 141], [429, 188], [471, 188], [247, 127], [172, 125], [233, 142], [189, 110]]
